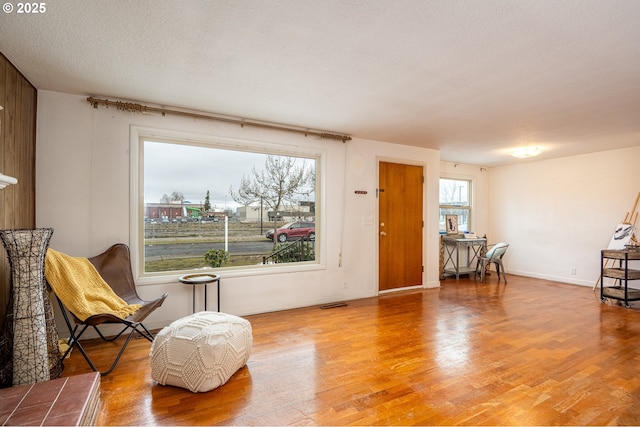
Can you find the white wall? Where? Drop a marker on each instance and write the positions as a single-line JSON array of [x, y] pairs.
[[82, 191], [559, 214]]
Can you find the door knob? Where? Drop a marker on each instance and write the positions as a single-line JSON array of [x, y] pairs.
[[382, 233]]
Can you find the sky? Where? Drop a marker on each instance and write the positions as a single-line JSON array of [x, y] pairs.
[[192, 170]]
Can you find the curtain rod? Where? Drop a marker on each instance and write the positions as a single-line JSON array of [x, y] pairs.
[[133, 107]]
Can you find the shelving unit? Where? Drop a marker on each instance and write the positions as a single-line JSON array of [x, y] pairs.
[[622, 273]]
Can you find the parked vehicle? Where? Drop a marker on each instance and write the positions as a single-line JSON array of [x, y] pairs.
[[293, 231]]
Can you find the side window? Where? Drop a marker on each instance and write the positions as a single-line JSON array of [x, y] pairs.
[[455, 199], [203, 198]]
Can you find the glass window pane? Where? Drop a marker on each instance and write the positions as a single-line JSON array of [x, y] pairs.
[[463, 218], [455, 196], [454, 192], [199, 199]]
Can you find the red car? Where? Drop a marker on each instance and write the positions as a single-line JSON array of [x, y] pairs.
[[294, 230]]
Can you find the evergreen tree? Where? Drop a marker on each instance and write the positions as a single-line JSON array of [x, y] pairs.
[[207, 202]]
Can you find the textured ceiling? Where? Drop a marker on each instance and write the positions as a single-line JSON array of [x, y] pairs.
[[471, 78]]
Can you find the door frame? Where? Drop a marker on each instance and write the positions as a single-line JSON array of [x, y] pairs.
[[408, 162]]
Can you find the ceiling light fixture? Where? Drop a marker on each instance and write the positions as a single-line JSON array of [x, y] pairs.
[[524, 152]]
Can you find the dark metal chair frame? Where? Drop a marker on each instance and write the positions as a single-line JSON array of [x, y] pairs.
[[114, 265]]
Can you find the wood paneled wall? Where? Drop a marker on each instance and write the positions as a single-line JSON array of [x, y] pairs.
[[18, 97]]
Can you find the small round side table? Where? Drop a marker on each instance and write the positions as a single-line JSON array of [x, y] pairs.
[[201, 279]]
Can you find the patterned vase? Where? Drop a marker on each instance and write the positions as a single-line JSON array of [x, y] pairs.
[[35, 354]]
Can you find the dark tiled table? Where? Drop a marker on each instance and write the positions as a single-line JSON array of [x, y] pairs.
[[72, 401]]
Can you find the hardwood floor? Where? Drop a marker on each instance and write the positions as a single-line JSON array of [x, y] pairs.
[[532, 352]]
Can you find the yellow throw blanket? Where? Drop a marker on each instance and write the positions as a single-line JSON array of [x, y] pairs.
[[81, 288]]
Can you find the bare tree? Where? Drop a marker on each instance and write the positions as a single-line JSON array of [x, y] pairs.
[[176, 196], [282, 181]]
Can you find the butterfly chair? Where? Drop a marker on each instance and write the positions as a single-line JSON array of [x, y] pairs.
[[114, 266], [493, 256]]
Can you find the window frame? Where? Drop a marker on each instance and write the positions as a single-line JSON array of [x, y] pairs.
[[468, 208], [139, 134]]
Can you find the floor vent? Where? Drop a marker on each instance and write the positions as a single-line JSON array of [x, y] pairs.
[[333, 305]]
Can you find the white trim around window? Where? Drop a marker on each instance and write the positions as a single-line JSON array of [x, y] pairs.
[[138, 134]]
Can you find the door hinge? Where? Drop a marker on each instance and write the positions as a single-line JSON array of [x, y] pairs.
[[423, 268], [423, 179]]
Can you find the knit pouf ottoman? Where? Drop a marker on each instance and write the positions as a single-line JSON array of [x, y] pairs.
[[202, 351]]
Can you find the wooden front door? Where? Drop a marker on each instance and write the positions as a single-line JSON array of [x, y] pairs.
[[400, 226]]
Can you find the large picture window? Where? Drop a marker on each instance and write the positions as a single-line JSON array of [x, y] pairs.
[[223, 205], [455, 199]]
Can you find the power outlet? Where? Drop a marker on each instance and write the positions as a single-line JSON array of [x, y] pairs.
[[573, 271]]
